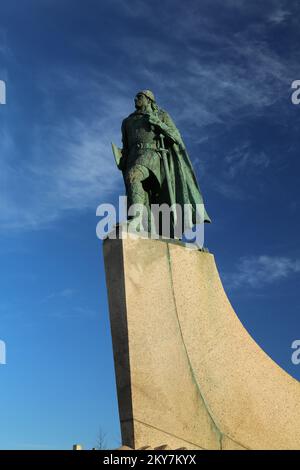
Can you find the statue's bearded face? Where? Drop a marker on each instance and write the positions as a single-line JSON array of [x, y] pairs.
[[141, 101]]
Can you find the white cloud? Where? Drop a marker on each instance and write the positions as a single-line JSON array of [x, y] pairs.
[[279, 16], [242, 158], [63, 294], [68, 165], [259, 271], [236, 170], [80, 313], [219, 76]]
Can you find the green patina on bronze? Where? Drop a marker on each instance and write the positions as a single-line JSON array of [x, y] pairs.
[[154, 161]]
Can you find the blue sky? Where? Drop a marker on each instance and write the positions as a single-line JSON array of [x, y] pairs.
[[223, 70]]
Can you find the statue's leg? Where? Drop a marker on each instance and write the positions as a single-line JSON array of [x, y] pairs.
[[135, 191], [134, 178]]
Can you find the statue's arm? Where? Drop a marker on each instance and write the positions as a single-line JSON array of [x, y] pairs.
[[166, 125]]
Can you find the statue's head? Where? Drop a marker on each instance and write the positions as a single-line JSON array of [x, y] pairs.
[[144, 99]]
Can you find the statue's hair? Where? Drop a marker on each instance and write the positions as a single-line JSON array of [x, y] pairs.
[[154, 106]]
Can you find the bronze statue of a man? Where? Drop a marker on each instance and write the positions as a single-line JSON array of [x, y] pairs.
[[155, 164]]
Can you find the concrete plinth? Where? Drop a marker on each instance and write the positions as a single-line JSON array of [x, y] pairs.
[[188, 373]]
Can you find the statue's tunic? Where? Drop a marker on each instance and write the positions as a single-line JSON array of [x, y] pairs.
[[140, 144]]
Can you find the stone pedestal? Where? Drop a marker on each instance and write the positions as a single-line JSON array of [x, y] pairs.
[[188, 374]]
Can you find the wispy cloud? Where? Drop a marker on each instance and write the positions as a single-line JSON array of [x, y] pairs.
[[279, 15], [207, 75], [259, 271], [222, 74], [237, 168], [242, 157], [68, 166], [73, 313], [63, 294]]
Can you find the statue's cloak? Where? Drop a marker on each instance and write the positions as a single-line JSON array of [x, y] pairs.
[[182, 177]]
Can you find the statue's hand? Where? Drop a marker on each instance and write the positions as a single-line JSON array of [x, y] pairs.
[[155, 121]]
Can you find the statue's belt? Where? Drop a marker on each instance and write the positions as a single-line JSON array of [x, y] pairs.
[[143, 145]]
